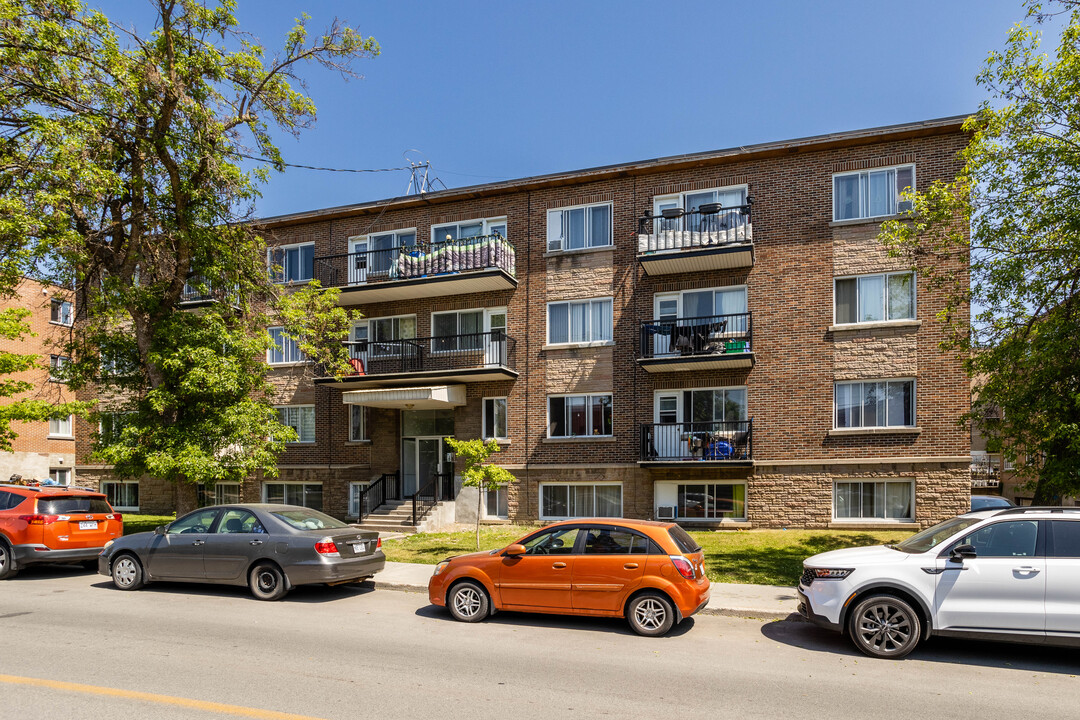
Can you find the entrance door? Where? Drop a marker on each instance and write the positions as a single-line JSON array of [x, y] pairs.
[[422, 459], [667, 317], [358, 262], [495, 326], [667, 441]]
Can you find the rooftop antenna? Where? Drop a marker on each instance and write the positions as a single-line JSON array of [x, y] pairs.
[[420, 181]]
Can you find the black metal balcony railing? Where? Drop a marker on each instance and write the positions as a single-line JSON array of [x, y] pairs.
[[710, 225], [697, 441], [416, 261], [985, 473], [707, 335], [445, 353], [198, 290]]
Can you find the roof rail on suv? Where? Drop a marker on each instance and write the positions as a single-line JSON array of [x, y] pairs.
[[1043, 509], [40, 488]]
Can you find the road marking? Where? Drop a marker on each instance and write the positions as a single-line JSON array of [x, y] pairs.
[[212, 707]]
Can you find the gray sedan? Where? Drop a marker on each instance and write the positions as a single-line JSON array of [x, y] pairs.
[[269, 548]]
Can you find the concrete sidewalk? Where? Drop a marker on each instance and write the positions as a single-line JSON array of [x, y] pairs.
[[756, 601]]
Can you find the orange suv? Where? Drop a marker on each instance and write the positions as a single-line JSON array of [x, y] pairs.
[[53, 524], [651, 573]]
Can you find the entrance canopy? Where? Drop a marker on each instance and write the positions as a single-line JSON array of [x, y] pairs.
[[413, 398]]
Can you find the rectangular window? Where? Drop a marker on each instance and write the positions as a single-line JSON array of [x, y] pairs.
[[60, 312], [874, 298], [712, 501], [357, 423], [300, 418], [459, 330], [60, 426], [309, 495], [57, 363], [123, 495], [495, 418], [355, 488], [580, 321], [579, 415], [284, 350], [60, 476], [561, 500], [576, 228], [468, 229], [871, 193], [291, 263], [496, 503], [384, 335], [884, 403], [873, 500], [227, 493], [111, 426]]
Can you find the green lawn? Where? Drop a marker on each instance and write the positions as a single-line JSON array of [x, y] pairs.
[[142, 523], [766, 557]]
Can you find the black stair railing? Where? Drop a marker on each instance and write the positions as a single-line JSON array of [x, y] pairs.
[[387, 487]]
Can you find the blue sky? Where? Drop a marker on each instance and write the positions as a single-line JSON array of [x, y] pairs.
[[494, 90]]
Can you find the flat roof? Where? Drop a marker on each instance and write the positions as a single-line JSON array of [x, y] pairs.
[[925, 128]]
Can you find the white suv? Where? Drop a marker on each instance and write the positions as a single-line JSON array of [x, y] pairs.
[[993, 574]]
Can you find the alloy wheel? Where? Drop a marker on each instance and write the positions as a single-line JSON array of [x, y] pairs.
[[467, 601], [884, 628], [650, 614]]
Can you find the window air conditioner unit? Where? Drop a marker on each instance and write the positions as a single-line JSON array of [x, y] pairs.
[[666, 512]]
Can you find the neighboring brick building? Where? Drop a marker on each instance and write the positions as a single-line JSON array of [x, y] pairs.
[[42, 449], [712, 337]]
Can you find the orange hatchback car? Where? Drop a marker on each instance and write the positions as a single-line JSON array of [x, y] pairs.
[[53, 524], [651, 573]]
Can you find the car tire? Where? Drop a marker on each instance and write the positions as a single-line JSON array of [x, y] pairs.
[[127, 572], [885, 626], [650, 614], [8, 568], [468, 602], [267, 582]]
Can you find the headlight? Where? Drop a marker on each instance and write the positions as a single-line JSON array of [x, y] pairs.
[[441, 566], [105, 547], [831, 573]]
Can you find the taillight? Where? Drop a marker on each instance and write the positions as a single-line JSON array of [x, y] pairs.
[[327, 547], [683, 566], [115, 516], [378, 544], [39, 519]]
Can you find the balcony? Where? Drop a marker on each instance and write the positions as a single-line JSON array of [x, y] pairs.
[[986, 472], [713, 342], [710, 443], [200, 292], [453, 267], [709, 238], [473, 357]]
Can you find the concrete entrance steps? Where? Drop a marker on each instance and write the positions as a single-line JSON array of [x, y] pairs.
[[392, 516]]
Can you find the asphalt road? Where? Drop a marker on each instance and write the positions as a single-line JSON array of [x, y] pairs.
[[71, 646]]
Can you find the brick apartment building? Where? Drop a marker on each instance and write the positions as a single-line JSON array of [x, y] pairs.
[[716, 338], [42, 449]]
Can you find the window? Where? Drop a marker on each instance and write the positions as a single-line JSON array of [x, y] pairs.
[[227, 493], [884, 403], [871, 193], [727, 198], [712, 501], [309, 495], [57, 364], [495, 418], [576, 228], [873, 501], [198, 522], [496, 503], [60, 312], [874, 298], [284, 350], [714, 405], [579, 415], [239, 521], [122, 495], [468, 229], [1015, 538], [291, 263], [375, 254], [581, 321], [459, 330], [111, 426], [60, 476], [1066, 538], [383, 336], [60, 426], [357, 423], [355, 488], [569, 501], [300, 418], [609, 541], [559, 541]]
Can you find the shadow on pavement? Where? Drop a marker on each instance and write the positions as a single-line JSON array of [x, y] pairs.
[[303, 594], [1028, 658], [615, 626]]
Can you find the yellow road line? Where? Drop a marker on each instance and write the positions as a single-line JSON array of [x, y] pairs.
[[151, 697]]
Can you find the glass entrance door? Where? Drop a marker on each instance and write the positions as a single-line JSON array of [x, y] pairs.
[[422, 459]]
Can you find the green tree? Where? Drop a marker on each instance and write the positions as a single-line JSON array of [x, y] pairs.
[[126, 156], [478, 472], [1020, 187]]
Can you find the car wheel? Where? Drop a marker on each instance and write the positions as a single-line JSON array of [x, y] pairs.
[[885, 626], [650, 614], [8, 568], [127, 573], [468, 602], [267, 582]]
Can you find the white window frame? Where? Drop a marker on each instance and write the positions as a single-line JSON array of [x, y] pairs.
[[219, 500], [485, 325], [484, 514], [368, 327], [355, 487], [286, 343], [59, 432], [485, 223], [680, 409], [55, 473], [484, 417], [283, 249], [53, 302], [267, 484], [589, 331], [350, 243], [885, 298], [363, 423], [865, 481], [557, 243], [896, 201], [588, 415], [675, 485], [359, 275], [679, 199], [314, 432], [122, 508], [594, 485], [56, 363], [914, 403]]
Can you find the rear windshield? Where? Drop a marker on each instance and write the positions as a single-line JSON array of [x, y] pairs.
[[72, 504], [304, 519], [682, 540]]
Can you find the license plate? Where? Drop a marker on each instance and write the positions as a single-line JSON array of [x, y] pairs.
[[359, 547], [88, 525]]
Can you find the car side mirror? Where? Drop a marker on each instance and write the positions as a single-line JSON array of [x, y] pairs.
[[962, 552], [159, 530], [514, 550]]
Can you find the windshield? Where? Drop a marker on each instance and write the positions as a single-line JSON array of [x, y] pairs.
[[933, 536], [72, 504], [305, 519]]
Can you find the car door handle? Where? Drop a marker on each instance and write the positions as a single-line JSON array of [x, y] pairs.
[[559, 565], [630, 566], [256, 542], [1026, 569], [198, 542]]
